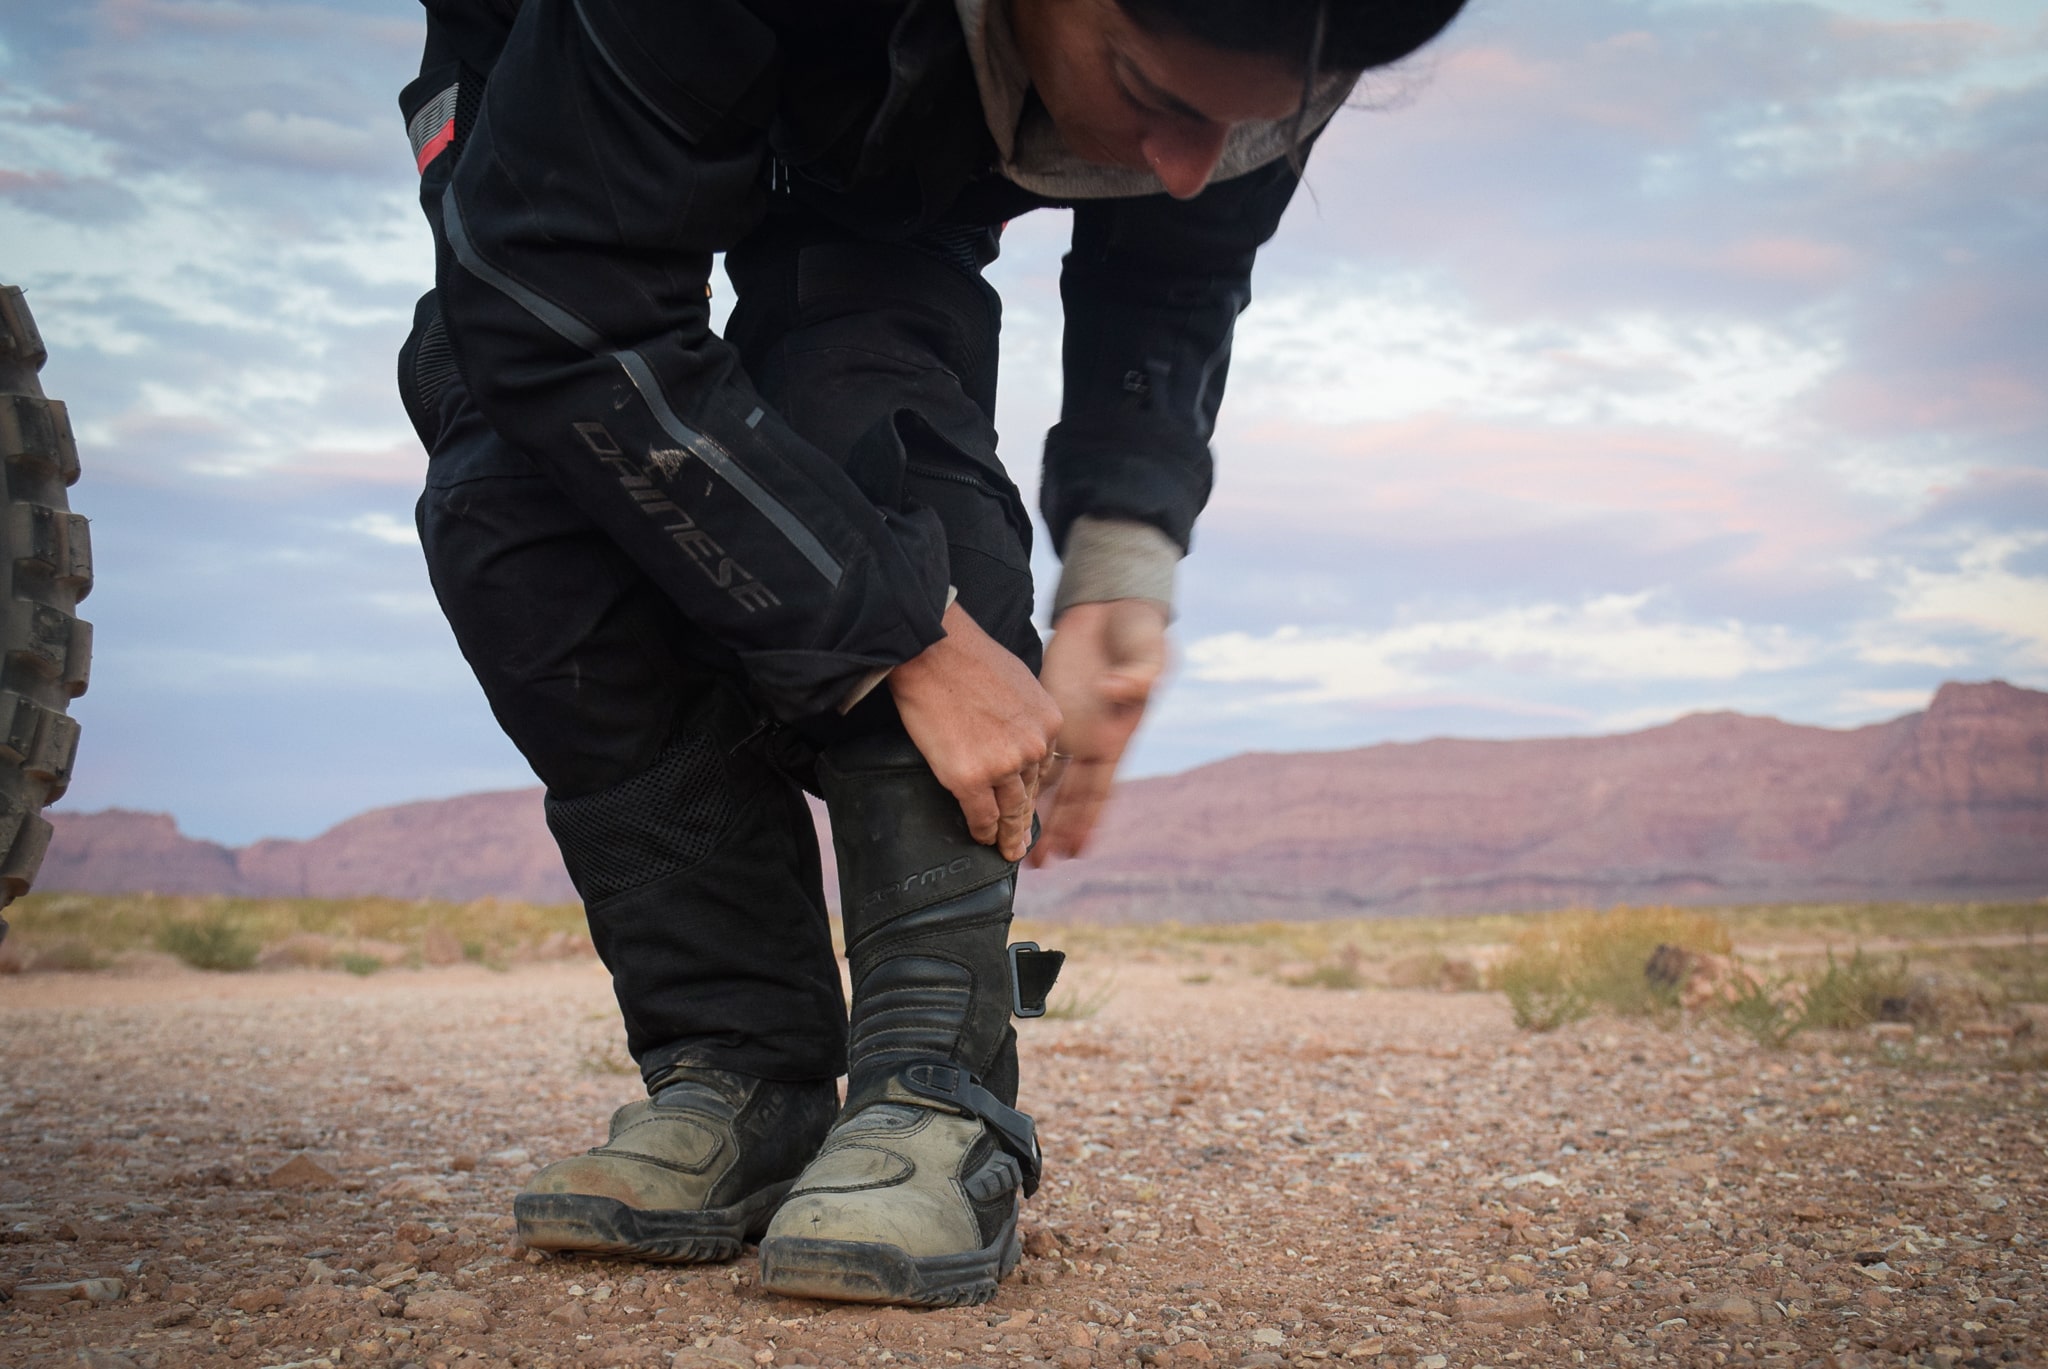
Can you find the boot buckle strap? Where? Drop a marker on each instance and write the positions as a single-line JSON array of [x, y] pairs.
[[1033, 972], [1013, 1130]]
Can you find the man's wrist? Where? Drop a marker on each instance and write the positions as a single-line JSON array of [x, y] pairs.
[[1116, 558], [865, 685]]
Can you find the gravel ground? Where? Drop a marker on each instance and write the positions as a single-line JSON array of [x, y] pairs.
[[303, 1168]]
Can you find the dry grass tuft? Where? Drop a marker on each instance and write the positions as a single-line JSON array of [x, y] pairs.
[[1566, 966]]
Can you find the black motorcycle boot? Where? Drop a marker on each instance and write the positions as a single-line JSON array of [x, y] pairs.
[[690, 1174], [914, 1197]]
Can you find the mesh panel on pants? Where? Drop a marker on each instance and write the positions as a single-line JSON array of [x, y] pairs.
[[663, 820]]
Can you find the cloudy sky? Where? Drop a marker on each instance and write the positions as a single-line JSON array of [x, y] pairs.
[[1628, 358]]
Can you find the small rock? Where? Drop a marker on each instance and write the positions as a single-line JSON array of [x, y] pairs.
[[570, 1313], [1524, 1309], [730, 1350], [1892, 1031], [257, 1299], [1199, 1225], [463, 1311], [317, 1295], [177, 1314], [507, 1159], [1041, 1244], [91, 1358], [416, 1188], [1729, 1310], [98, 1292], [1260, 1359], [1077, 1335], [1192, 1352], [1433, 1362], [1267, 1335], [1986, 1031], [1076, 1357], [764, 1356], [1370, 1348], [462, 1164], [299, 1172], [1542, 1178]]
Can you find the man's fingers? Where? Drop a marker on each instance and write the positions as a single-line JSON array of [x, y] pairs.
[[1014, 831], [1129, 684], [983, 814], [1077, 804]]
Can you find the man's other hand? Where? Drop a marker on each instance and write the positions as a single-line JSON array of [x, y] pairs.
[[983, 724], [1101, 667]]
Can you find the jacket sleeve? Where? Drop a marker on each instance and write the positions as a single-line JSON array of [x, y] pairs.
[[619, 145], [1152, 289]]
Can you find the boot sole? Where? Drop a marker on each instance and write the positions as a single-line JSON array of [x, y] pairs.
[[605, 1226], [870, 1271]]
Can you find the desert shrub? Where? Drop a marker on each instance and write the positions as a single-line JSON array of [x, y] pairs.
[[1767, 1011], [1568, 965], [212, 943], [1850, 996], [357, 963]]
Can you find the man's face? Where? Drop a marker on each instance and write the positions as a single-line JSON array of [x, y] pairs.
[[1122, 96]]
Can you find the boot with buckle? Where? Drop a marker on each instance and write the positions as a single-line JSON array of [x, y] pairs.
[[914, 1197]]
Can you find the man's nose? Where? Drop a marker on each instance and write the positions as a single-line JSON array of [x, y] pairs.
[[1185, 156]]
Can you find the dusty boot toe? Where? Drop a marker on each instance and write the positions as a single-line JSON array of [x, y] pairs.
[[906, 1204], [691, 1174]]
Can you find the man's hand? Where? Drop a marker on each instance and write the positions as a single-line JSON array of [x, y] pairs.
[[1101, 667], [984, 726]]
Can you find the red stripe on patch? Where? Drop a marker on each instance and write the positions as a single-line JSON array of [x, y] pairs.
[[435, 145]]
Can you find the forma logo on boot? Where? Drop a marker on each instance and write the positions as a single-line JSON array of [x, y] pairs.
[[937, 874]]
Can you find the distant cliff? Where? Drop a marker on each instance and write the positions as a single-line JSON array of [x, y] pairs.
[[1951, 803], [476, 846]]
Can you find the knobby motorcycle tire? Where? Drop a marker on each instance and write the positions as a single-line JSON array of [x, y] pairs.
[[45, 569]]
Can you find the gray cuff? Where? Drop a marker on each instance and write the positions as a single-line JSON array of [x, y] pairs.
[[1116, 558]]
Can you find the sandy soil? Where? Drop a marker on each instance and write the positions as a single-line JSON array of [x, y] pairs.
[[306, 1169]]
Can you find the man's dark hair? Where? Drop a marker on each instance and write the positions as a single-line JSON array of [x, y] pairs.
[[1326, 35]]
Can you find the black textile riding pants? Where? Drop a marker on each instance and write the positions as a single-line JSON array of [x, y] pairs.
[[676, 800]]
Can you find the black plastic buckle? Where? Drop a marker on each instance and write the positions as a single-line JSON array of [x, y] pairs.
[[1013, 1129], [1032, 974]]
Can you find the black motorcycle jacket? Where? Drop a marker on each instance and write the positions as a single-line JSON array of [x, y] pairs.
[[581, 163]]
